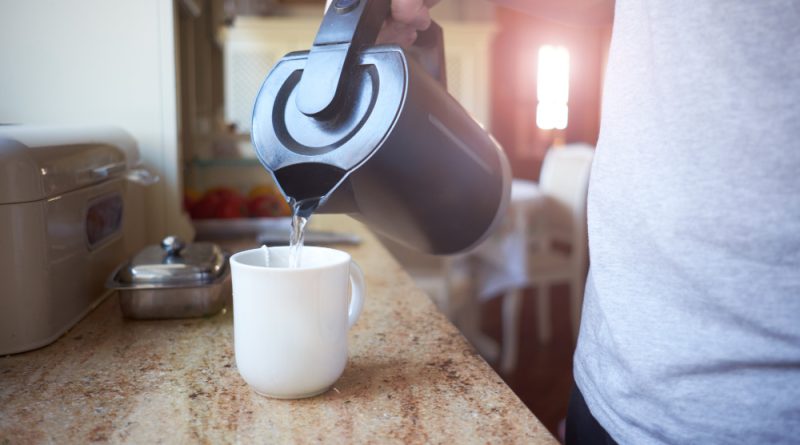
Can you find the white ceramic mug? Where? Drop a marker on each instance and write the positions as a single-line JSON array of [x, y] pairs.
[[290, 324]]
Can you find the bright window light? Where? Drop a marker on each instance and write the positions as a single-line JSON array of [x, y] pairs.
[[552, 88]]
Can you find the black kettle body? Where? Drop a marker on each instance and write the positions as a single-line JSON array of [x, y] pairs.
[[389, 146]]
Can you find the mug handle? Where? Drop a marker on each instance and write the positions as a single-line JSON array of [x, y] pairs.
[[356, 294]]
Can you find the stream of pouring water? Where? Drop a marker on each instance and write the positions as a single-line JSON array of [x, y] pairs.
[[301, 213], [296, 240]]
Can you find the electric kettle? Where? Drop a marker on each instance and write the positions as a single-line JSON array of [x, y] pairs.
[[371, 131]]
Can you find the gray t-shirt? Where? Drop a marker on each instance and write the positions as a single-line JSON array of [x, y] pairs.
[[690, 331]]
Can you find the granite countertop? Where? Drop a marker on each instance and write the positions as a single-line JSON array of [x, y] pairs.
[[411, 378]]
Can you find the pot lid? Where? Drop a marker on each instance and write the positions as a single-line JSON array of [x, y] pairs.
[[173, 263]]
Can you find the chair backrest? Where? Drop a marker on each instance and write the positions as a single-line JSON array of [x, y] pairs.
[[565, 180]]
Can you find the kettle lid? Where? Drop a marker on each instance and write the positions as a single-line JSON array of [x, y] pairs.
[[372, 98]]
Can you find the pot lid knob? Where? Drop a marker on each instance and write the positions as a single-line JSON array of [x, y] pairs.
[[172, 245]]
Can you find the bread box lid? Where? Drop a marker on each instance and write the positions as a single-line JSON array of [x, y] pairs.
[[40, 162]]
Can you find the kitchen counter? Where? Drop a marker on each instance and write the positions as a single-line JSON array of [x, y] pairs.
[[411, 378]]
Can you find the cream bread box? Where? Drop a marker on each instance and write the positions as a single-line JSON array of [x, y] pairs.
[[61, 207]]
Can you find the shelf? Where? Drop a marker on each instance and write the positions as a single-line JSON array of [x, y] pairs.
[[237, 227], [225, 162]]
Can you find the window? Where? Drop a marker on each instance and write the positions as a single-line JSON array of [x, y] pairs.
[[552, 88]]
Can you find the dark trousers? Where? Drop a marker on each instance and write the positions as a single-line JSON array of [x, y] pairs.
[[582, 427]]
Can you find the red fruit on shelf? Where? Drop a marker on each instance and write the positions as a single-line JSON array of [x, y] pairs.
[[264, 206], [219, 202], [190, 198], [206, 207], [230, 209]]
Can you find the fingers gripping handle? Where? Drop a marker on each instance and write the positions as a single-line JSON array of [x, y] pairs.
[[357, 293]]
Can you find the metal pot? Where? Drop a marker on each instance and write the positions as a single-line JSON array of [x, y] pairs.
[[173, 280]]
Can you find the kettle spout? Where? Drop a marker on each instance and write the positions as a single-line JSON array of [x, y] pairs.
[[307, 185]]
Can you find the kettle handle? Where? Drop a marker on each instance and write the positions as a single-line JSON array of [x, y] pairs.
[[347, 27], [428, 50]]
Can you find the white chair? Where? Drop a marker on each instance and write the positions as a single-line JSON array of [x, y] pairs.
[[557, 245]]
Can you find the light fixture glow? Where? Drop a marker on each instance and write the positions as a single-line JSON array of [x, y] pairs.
[[552, 88]]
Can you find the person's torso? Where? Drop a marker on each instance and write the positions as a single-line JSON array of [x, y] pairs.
[[691, 323]]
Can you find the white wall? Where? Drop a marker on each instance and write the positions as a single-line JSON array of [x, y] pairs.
[[99, 62]]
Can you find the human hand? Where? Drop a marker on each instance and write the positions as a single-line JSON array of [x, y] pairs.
[[408, 17]]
